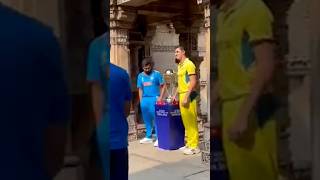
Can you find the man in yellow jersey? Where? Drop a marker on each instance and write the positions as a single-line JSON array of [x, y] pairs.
[[245, 66], [187, 100]]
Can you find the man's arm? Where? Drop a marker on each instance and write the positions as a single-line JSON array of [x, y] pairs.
[[192, 84], [94, 77], [264, 54], [260, 33], [265, 67], [162, 88], [97, 100], [140, 94]]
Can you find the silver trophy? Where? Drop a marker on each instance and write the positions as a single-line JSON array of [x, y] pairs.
[[170, 78]]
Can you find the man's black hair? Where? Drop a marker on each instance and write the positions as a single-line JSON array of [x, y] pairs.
[[147, 61]]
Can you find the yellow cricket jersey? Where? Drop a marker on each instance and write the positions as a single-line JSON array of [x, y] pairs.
[[185, 69], [238, 28]]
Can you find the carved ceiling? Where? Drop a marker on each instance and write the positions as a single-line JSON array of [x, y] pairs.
[[160, 11]]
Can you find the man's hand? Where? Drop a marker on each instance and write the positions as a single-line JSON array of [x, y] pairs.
[[185, 102], [159, 99], [97, 100], [239, 127]]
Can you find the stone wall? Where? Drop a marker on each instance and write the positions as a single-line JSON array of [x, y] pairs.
[[163, 46], [299, 96]]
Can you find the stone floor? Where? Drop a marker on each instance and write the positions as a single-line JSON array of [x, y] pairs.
[[149, 163]]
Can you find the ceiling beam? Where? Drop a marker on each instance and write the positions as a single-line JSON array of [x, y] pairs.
[[134, 3], [158, 13]]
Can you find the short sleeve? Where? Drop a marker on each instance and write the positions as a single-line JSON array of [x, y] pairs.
[[259, 24], [139, 82], [93, 68], [127, 87], [191, 69]]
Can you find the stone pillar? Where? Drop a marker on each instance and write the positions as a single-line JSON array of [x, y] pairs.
[[298, 68], [188, 37], [121, 20], [148, 40], [315, 87], [205, 65], [205, 83]]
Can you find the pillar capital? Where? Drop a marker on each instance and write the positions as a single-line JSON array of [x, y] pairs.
[[207, 8], [188, 25], [121, 20]]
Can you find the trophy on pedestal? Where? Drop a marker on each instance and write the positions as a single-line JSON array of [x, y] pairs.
[[170, 78]]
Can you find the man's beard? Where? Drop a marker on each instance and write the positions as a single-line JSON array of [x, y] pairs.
[[177, 61], [148, 72]]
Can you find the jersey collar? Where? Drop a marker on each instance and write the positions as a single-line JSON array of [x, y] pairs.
[[181, 64]]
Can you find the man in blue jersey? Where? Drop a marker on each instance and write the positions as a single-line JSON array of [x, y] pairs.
[[151, 88], [111, 95], [34, 101]]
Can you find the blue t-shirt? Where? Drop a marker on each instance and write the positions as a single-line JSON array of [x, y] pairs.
[[98, 59], [118, 91], [33, 94], [150, 83]]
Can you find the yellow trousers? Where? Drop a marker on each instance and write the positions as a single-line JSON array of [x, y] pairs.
[[189, 119], [254, 157]]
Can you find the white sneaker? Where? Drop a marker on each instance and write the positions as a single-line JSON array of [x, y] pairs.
[[183, 148], [189, 151], [156, 144], [146, 141]]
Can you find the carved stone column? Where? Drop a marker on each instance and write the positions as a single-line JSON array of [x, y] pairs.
[[298, 68], [205, 83], [148, 40], [282, 83], [188, 36], [121, 19]]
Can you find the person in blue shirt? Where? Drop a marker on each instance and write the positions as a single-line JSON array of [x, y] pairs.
[[111, 96], [151, 89], [34, 102]]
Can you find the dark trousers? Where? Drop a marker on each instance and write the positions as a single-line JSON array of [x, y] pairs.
[[119, 164]]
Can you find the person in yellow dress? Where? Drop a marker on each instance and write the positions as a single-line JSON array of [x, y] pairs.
[[187, 100], [245, 50]]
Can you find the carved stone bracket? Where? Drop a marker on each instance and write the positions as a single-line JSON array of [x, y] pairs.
[[188, 30], [121, 20], [122, 13], [206, 5], [119, 37], [298, 67]]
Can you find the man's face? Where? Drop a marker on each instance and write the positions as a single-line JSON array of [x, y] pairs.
[[147, 69], [179, 54]]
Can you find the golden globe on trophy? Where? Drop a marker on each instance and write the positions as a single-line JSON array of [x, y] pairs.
[[170, 78]]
